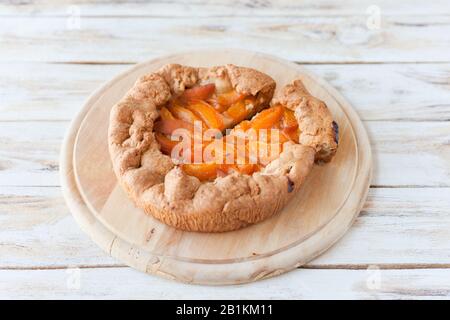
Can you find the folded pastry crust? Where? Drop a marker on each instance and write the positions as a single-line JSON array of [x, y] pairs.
[[163, 190]]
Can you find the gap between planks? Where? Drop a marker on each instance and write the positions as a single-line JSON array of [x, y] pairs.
[[106, 63], [228, 16], [357, 14], [381, 266]]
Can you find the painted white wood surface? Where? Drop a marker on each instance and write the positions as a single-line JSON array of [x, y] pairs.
[[116, 283], [324, 39], [201, 8], [400, 92], [397, 77]]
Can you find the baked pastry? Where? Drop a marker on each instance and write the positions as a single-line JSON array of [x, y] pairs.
[[230, 187]]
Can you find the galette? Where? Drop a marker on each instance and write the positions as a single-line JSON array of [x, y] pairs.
[[213, 149]]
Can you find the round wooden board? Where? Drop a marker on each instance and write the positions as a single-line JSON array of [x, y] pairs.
[[319, 214]]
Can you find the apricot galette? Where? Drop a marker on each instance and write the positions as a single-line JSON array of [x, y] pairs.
[[208, 149]]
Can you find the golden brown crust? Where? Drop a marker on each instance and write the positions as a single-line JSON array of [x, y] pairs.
[[317, 128], [162, 189]]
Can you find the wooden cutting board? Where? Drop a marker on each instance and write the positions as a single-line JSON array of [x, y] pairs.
[[319, 214]]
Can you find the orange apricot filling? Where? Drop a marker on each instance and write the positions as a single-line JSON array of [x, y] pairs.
[[248, 147], [183, 113], [199, 92], [266, 119], [207, 114], [203, 171], [168, 126]]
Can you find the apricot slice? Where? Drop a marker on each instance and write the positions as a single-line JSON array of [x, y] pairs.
[[267, 118], [243, 125], [290, 125], [289, 121], [291, 133], [184, 114], [208, 115], [216, 105], [203, 171], [237, 111], [186, 155], [165, 114], [166, 143], [199, 92], [229, 98], [168, 126], [247, 168]]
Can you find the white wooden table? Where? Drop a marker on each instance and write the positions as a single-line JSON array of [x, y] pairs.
[[53, 54]]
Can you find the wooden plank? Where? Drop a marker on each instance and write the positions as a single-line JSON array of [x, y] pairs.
[[323, 39], [40, 91], [37, 230], [397, 226], [405, 153], [413, 92], [410, 153], [29, 153], [400, 227], [298, 284], [220, 8]]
